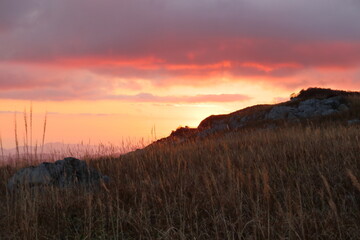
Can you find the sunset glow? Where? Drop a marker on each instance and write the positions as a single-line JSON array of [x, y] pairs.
[[109, 70]]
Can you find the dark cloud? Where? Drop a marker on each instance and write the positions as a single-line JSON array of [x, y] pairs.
[[16, 13], [172, 29], [170, 42], [17, 78]]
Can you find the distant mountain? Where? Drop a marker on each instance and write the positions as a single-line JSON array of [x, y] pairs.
[[57, 150], [48, 147]]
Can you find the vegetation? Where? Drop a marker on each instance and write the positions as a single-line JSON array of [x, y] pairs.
[[292, 182], [322, 93], [298, 181]]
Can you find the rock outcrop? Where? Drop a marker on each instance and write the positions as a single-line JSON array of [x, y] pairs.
[[310, 104], [309, 108], [69, 172], [322, 93]]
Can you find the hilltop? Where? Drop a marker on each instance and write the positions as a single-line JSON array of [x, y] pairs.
[[315, 105]]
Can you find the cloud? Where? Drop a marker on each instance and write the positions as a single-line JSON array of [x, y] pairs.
[[201, 98], [205, 31], [84, 114], [41, 83], [60, 95], [64, 49]]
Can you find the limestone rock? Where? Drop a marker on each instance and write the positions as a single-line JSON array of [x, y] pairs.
[[304, 109], [279, 112], [308, 109], [343, 108], [68, 172]]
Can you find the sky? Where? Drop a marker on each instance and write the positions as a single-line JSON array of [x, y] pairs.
[[109, 70]]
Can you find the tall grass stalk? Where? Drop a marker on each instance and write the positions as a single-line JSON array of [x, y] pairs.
[[31, 130], [26, 140], [43, 135], [16, 137], [2, 148]]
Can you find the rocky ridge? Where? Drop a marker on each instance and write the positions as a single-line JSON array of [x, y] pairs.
[[307, 105]]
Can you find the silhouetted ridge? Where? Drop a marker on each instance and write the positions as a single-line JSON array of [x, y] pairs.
[[322, 93], [315, 105], [209, 121], [183, 132]]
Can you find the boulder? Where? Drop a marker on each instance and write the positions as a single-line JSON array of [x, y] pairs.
[[343, 108], [279, 112], [68, 172]]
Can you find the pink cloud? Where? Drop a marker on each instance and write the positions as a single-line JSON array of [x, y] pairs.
[[246, 57], [62, 49], [60, 95]]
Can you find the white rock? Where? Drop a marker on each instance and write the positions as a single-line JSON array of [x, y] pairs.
[[279, 112], [63, 173]]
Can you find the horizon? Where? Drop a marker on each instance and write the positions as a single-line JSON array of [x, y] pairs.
[[105, 71]]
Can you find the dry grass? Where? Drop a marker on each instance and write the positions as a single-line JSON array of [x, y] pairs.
[[289, 183]]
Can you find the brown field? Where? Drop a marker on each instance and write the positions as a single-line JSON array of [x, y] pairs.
[[289, 183]]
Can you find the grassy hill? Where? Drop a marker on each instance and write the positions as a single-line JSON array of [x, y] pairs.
[[297, 181]]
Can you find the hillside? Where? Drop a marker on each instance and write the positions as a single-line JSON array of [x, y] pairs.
[[270, 178], [311, 105]]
